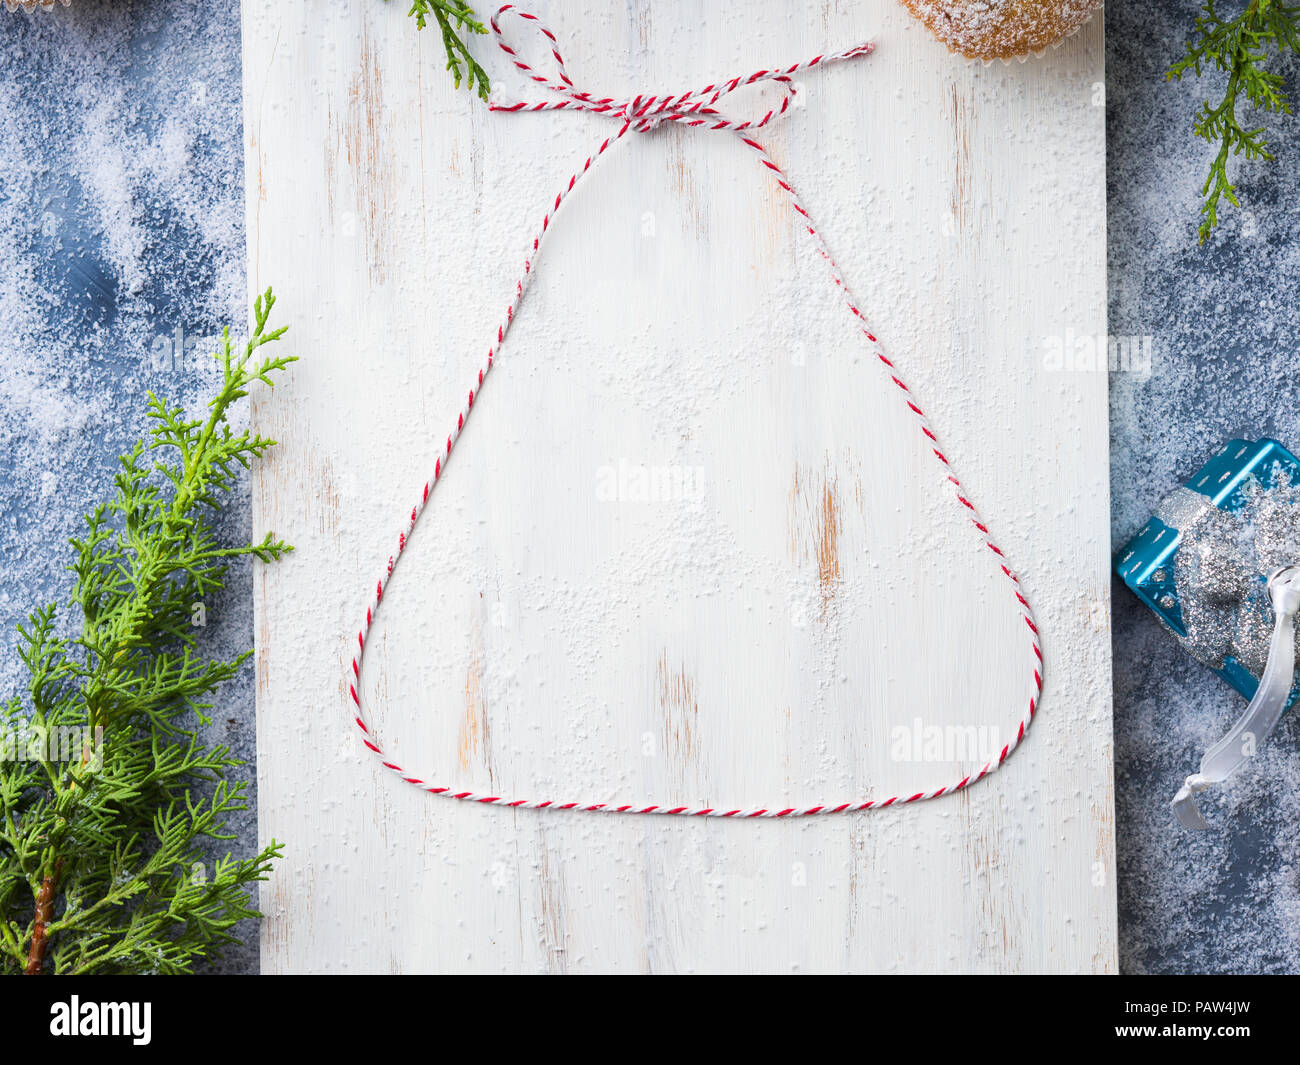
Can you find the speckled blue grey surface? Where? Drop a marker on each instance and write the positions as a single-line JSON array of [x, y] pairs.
[[1224, 323], [121, 223], [121, 205]]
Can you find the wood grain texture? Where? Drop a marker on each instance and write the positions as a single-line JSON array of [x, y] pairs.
[[690, 549]]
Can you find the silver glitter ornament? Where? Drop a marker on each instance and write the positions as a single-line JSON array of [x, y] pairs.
[[1213, 564]]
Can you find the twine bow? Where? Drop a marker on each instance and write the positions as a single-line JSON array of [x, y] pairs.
[[645, 112]]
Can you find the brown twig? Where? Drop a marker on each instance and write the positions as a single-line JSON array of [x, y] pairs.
[[44, 910]]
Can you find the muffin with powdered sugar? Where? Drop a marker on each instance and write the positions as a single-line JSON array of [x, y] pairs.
[[1002, 29]]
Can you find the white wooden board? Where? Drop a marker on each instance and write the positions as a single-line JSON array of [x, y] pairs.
[[800, 599]]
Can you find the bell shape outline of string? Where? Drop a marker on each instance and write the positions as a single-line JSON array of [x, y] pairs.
[[644, 113]]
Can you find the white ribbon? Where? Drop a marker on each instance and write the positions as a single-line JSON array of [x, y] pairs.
[[1264, 711]]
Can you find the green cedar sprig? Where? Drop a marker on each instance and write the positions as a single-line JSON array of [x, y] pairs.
[[457, 22], [107, 792], [1237, 47]]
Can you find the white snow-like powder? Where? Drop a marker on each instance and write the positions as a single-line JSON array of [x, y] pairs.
[[1224, 327], [121, 223]]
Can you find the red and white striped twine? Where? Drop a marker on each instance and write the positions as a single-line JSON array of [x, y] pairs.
[[642, 114]]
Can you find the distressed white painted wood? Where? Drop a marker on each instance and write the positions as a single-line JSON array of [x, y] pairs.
[[795, 598]]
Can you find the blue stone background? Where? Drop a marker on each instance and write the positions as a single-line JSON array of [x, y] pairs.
[[121, 222], [1223, 323]]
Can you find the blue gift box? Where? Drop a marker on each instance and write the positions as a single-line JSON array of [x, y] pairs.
[[1146, 563]]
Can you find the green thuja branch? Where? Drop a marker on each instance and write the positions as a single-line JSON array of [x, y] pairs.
[[1238, 48], [107, 794], [456, 22]]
